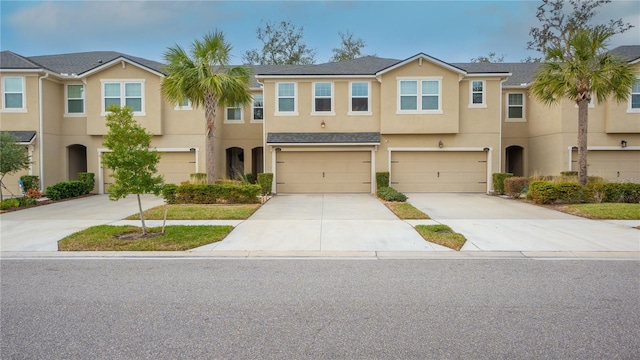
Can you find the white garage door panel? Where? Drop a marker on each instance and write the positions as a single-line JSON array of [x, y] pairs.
[[612, 165], [323, 172], [175, 167], [414, 171]]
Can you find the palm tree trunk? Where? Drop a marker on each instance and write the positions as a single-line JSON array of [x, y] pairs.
[[210, 104], [144, 227], [583, 121]]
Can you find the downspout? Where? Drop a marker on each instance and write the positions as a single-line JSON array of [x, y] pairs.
[[41, 131], [502, 116]]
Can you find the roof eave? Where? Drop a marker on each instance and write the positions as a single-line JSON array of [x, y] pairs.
[[323, 144], [270, 76], [423, 57], [115, 61]]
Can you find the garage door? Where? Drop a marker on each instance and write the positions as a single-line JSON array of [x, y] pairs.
[[612, 165], [323, 172], [175, 167], [429, 171]]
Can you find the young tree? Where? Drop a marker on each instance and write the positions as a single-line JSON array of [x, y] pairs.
[[556, 25], [281, 45], [13, 157], [350, 48], [579, 69], [205, 78], [490, 58], [134, 165]]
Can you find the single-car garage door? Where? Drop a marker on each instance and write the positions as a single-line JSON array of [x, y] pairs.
[[612, 165], [175, 167], [323, 172], [439, 171]]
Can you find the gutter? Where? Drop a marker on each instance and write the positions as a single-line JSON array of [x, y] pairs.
[[41, 131]]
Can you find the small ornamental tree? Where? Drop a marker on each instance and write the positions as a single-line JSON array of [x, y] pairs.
[[134, 165], [13, 157]]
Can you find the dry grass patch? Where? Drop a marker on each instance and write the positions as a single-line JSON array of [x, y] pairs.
[[199, 212], [605, 211], [406, 211], [117, 238], [442, 235]]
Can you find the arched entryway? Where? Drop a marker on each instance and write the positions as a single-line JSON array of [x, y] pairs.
[[514, 160], [257, 160], [76, 160], [235, 163]]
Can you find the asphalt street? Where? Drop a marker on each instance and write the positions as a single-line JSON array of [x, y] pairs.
[[319, 309]]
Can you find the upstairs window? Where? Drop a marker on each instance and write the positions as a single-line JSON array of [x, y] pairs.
[[360, 97], [124, 93], [75, 99], [13, 92], [185, 104], [477, 93], [234, 114], [286, 98], [322, 97], [419, 96], [634, 102], [258, 107], [515, 106]]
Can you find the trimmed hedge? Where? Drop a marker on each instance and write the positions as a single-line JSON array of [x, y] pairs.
[[265, 181], [543, 192], [30, 182], [211, 194], [391, 194], [88, 179], [498, 181], [515, 186], [66, 189], [549, 192], [570, 192], [382, 179], [9, 203]]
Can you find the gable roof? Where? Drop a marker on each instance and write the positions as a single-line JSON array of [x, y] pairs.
[[11, 60], [630, 53], [23, 137]]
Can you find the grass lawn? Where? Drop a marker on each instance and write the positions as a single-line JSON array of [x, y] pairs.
[[406, 211], [610, 211], [176, 238], [199, 212], [442, 235]]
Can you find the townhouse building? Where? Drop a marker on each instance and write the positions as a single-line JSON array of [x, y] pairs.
[[435, 126]]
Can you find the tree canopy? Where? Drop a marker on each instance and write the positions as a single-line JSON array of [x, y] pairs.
[[350, 47], [13, 157], [282, 44]]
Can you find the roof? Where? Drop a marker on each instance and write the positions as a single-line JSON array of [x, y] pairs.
[[629, 53], [23, 137], [11, 60], [356, 138], [367, 65]]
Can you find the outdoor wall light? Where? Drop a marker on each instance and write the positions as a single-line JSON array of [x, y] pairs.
[[486, 149], [322, 125], [574, 148], [623, 144], [440, 144], [192, 149]]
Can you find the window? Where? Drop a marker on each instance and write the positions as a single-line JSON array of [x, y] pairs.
[[124, 93], [634, 102], [427, 102], [185, 104], [258, 107], [13, 92], [360, 97], [75, 99], [234, 114], [515, 106], [322, 98], [286, 98], [477, 94]]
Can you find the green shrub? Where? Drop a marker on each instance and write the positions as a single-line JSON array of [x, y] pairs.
[[66, 189], [198, 178], [570, 192], [9, 203], [26, 201], [543, 192], [595, 192], [249, 179], [498, 182], [169, 193], [515, 186], [30, 182], [213, 194], [265, 180], [569, 173], [88, 179], [382, 179], [391, 194]]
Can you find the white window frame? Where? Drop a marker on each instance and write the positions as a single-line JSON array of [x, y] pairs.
[[181, 107], [483, 92], [330, 97], [419, 95], [351, 97], [254, 107], [294, 97], [510, 119], [66, 101], [22, 93], [123, 97], [233, 121], [632, 109]]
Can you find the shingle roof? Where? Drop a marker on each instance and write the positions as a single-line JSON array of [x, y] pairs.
[[79, 63], [367, 65], [23, 137], [521, 72], [627, 52], [11, 60], [324, 138]]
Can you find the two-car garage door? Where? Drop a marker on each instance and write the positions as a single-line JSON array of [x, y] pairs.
[[323, 172], [439, 171]]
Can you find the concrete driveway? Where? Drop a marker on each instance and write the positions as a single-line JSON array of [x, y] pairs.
[[323, 222], [492, 223]]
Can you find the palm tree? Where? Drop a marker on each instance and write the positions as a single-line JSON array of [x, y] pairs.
[[578, 70], [205, 78]]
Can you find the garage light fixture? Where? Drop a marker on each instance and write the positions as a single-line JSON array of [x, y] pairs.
[[322, 125], [623, 144], [440, 144]]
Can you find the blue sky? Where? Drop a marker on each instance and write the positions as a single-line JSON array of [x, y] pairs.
[[453, 31]]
